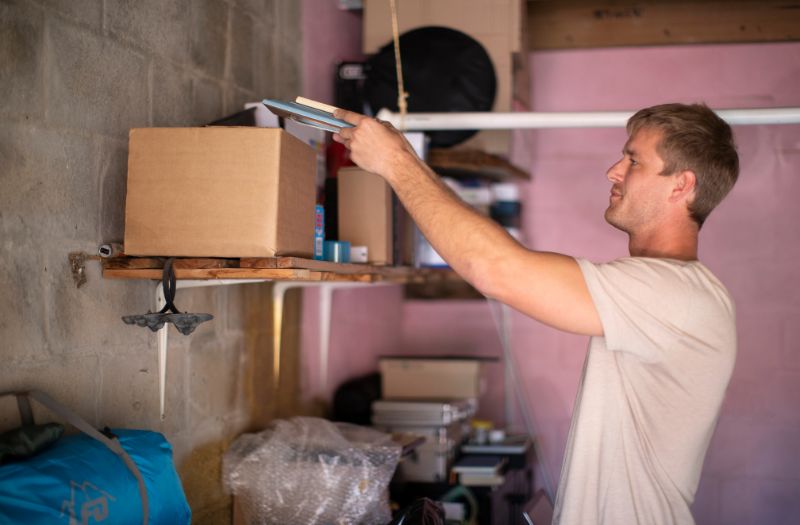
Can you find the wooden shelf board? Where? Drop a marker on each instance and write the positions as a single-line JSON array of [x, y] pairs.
[[593, 24], [474, 164], [215, 273], [272, 268]]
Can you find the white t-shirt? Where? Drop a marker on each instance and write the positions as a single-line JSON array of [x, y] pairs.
[[650, 395]]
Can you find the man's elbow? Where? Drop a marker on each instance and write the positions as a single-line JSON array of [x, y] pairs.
[[486, 277]]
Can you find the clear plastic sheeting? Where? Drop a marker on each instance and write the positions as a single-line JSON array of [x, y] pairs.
[[312, 471]]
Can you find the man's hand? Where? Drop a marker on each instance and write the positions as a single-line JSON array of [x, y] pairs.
[[374, 145]]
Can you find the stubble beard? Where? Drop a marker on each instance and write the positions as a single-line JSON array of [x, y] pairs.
[[613, 217]]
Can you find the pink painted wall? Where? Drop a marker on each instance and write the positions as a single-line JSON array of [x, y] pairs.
[[752, 472], [365, 323], [330, 35]]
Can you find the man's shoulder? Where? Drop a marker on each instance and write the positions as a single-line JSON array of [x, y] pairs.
[[641, 267], [670, 277], [654, 266]]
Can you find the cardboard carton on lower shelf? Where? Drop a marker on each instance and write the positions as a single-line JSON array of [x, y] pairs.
[[219, 192], [429, 378]]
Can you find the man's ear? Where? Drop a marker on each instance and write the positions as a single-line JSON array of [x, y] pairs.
[[685, 184]]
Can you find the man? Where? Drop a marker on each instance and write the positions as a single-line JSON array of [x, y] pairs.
[[663, 335]]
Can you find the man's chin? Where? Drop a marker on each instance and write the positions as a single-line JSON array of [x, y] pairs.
[[613, 220]]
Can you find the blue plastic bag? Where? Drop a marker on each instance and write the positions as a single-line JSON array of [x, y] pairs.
[[80, 480]]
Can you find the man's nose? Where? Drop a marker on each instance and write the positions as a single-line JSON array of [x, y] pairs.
[[616, 172]]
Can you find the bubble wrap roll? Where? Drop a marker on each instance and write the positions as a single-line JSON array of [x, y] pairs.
[[312, 471]]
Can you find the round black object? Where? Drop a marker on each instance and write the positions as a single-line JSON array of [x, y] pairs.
[[444, 70]]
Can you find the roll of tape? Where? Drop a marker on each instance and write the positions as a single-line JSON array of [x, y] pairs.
[[337, 251]]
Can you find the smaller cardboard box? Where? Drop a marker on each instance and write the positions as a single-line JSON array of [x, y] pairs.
[[365, 213], [219, 192], [429, 378]]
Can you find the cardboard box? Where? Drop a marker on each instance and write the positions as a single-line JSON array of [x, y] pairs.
[[495, 24], [314, 137], [498, 25], [365, 213], [219, 192], [429, 378], [477, 18]]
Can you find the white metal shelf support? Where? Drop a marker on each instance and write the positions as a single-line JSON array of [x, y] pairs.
[[278, 293], [325, 301], [585, 119]]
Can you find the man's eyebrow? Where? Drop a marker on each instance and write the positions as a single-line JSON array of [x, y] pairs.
[[628, 151]]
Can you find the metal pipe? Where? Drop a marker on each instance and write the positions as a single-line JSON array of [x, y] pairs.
[[589, 119]]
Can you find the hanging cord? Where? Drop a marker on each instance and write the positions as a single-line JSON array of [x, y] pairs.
[[501, 317], [402, 95]]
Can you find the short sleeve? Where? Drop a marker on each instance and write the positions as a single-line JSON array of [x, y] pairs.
[[642, 303]]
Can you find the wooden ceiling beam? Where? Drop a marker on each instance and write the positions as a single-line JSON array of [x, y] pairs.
[[586, 24]]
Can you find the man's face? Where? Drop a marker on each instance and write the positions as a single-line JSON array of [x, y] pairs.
[[639, 193]]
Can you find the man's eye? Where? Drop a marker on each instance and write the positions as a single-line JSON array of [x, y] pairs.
[[633, 162]]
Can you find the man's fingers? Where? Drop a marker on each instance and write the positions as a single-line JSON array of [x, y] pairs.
[[349, 116], [337, 137]]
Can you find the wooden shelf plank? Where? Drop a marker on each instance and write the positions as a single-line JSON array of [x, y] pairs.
[[350, 277], [591, 24], [473, 163], [215, 273], [273, 268], [309, 264], [139, 263]]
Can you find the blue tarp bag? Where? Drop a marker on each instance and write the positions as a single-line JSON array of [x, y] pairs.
[[92, 478]]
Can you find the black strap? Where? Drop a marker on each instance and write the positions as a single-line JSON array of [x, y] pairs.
[[169, 285], [25, 412]]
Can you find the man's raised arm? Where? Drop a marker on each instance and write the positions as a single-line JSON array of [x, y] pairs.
[[546, 286]]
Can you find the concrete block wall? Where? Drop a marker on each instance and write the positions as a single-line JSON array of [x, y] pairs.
[[74, 77]]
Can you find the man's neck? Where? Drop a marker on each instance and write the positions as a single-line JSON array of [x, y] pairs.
[[680, 244]]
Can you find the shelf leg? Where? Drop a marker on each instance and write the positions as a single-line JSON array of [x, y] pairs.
[[162, 353], [279, 290], [325, 307], [325, 301]]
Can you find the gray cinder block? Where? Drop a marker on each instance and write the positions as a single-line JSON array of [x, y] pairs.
[[242, 50], [95, 84], [207, 101], [171, 95], [161, 28], [21, 63], [209, 36], [83, 12]]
